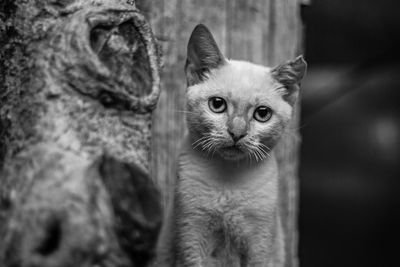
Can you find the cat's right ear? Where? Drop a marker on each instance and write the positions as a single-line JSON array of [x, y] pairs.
[[290, 75], [203, 55]]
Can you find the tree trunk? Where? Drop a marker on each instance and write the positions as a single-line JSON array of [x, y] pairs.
[[267, 32], [78, 82]]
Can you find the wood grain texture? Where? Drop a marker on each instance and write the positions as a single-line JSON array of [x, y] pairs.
[[266, 32], [78, 82]]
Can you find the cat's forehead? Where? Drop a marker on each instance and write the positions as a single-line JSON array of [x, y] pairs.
[[242, 83], [241, 77]]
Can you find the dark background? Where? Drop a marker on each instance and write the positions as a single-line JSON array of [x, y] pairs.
[[350, 182]]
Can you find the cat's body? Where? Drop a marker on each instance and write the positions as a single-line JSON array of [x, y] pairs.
[[225, 209]]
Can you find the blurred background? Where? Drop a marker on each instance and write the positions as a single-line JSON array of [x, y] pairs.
[[350, 178]]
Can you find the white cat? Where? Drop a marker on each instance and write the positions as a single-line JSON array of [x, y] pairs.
[[225, 205]]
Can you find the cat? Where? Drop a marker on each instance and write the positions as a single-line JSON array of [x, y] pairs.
[[225, 210]]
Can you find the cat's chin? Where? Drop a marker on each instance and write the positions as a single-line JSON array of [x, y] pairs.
[[231, 153]]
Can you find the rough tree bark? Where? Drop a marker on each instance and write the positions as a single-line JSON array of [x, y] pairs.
[[78, 82], [262, 31]]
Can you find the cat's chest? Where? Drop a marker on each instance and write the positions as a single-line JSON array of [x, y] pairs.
[[206, 188]]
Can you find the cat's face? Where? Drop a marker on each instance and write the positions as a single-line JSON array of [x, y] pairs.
[[236, 109]]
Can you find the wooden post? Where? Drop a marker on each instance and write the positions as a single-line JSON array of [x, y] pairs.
[[78, 83], [267, 32]]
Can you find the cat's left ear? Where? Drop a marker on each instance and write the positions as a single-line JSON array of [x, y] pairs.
[[203, 55], [290, 74]]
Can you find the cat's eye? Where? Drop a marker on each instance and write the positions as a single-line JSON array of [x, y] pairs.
[[262, 114], [217, 104]]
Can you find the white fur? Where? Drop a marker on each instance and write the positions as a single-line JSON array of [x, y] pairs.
[[227, 209]]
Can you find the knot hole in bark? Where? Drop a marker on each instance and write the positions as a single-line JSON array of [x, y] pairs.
[[52, 237], [123, 51]]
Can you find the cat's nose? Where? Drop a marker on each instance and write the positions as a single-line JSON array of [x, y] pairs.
[[236, 136], [237, 128]]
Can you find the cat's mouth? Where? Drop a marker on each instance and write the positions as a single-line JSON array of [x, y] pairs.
[[232, 152]]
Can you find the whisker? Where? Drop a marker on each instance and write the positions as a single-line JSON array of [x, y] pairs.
[[261, 144], [265, 152], [200, 139], [258, 149], [200, 143], [208, 146], [255, 155], [299, 127], [260, 156], [252, 152], [214, 149], [266, 155], [217, 135]]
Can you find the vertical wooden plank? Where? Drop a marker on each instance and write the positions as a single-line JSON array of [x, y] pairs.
[[172, 22], [262, 31], [287, 44], [167, 126]]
